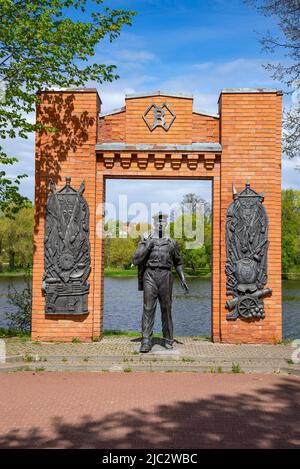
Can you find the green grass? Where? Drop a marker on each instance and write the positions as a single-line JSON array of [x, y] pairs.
[[113, 332], [75, 340], [219, 369], [204, 272], [14, 273], [290, 361], [236, 368], [109, 272], [28, 358], [202, 338], [127, 370], [96, 338], [120, 273], [21, 368]]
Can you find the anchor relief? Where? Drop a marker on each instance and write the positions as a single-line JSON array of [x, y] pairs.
[[246, 248], [66, 251]]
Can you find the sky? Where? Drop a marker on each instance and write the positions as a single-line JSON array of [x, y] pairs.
[[187, 46]]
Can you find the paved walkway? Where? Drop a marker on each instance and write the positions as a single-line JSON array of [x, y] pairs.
[[149, 410], [117, 353]]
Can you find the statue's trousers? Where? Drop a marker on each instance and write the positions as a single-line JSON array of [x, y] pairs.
[[157, 287]]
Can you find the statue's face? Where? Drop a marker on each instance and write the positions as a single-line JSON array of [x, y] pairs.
[[160, 225]]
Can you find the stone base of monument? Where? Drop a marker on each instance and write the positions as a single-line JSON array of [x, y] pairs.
[[160, 350], [121, 354]]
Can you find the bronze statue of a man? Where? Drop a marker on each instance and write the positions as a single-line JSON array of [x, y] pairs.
[[155, 256]]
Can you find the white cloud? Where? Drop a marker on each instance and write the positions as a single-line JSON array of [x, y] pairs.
[[206, 80], [290, 175], [135, 55], [155, 191], [203, 80]]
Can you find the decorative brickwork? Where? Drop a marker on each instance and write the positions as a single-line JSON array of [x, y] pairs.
[[242, 144]]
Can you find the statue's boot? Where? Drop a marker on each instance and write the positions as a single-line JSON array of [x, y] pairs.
[[169, 344], [146, 345]]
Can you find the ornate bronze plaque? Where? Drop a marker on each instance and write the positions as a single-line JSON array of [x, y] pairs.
[[66, 251], [247, 247]]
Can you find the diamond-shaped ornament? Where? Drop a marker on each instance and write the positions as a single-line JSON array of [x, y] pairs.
[[159, 116]]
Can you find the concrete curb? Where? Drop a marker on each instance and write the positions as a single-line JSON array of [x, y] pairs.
[[148, 367]]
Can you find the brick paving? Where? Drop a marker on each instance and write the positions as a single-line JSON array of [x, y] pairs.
[[121, 352], [149, 410]]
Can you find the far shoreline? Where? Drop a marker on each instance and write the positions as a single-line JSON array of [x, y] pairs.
[[124, 273]]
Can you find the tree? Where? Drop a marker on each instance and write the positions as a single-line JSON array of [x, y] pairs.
[[16, 239], [3, 231], [118, 252], [287, 14], [46, 44], [190, 201], [20, 318], [200, 257], [290, 231]]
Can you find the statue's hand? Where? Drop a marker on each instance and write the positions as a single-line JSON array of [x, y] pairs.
[[185, 286]]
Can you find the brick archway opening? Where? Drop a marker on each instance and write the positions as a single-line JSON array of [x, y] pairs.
[[192, 314]]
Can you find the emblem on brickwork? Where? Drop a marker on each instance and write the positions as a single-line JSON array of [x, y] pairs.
[[66, 251], [159, 116], [247, 249]]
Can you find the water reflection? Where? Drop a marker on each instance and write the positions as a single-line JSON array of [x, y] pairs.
[[191, 313]]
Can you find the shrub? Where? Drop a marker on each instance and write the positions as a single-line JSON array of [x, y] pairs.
[[20, 319]]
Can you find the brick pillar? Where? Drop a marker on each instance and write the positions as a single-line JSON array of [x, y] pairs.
[[69, 151], [251, 140]]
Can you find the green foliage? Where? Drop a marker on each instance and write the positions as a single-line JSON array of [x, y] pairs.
[[108, 272], [28, 358], [10, 198], [287, 41], [97, 338], [236, 368], [112, 333], [187, 360], [75, 340], [10, 332], [43, 44], [290, 231], [16, 239], [198, 258], [202, 338], [20, 319], [118, 252]]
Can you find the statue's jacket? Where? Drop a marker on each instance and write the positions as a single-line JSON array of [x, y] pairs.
[[163, 255]]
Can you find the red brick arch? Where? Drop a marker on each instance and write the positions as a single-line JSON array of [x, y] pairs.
[[242, 143]]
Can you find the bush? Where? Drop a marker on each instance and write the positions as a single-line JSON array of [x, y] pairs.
[[20, 319]]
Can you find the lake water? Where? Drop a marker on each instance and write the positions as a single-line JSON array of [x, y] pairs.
[[191, 313]]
